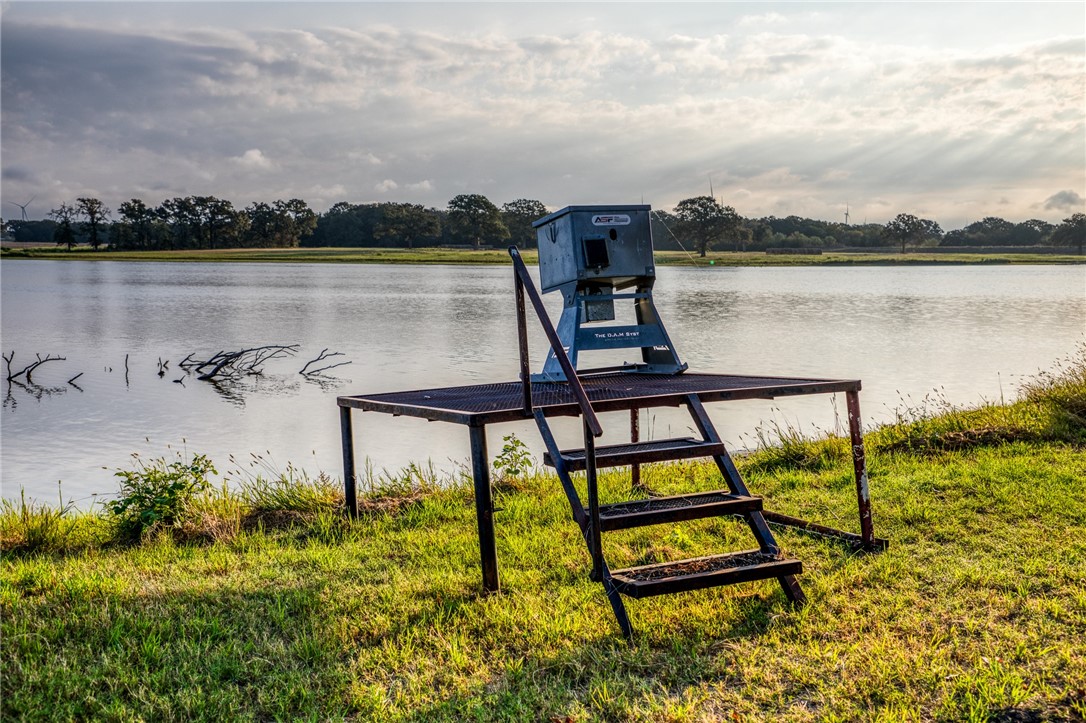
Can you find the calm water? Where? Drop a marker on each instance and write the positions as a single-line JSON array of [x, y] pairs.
[[971, 333]]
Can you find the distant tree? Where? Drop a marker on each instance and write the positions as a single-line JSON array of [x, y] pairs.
[[345, 224], [182, 219], [41, 232], [703, 220], [907, 228], [262, 226], [406, 224], [95, 214], [221, 225], [1032, 232], [64, 233], [1072, 232], [474, 219], [281, 225], [136, 222], [518, 216], [663, 225]]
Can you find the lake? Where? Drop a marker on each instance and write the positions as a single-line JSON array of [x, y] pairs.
[[951, 334]]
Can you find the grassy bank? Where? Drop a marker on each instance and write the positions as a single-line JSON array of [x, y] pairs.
[[264, 603], [499, 256]]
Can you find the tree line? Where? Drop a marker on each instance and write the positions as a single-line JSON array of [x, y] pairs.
[[696, 224]]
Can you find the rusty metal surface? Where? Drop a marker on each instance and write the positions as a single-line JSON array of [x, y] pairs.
[[503, 402], [703, 572]]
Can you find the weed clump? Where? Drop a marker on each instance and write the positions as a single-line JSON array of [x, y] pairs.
[[158, 494]]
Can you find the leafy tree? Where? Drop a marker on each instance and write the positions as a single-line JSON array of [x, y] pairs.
[[906, 227], [262, 225], [706, 222], [518, 216], [1072, 232], [282, 224], [474, 219], [41, 232], [1031, 232], [137, 220], [662, 224], [182, 219], [405, 224], [64, 233], [220, 224], [95, 215], [346, 224]]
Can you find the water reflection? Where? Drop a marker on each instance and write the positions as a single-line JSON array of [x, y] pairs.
[[971, 331]]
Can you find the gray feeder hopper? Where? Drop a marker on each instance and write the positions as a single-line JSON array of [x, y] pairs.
[[596, 255]]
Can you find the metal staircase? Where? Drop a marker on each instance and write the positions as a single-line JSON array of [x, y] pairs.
[[594, 519]]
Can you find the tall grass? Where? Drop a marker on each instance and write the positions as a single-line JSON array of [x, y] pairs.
[[31, 527], [1062, 389]]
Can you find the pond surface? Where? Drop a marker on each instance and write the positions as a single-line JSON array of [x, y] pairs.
[[954, 334]]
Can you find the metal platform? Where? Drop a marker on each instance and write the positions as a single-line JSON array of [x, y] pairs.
[[483, 404], [657, 381]]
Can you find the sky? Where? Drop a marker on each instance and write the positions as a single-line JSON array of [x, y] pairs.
[[948, 111]]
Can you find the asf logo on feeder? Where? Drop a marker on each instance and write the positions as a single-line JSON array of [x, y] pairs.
[[611, 219]]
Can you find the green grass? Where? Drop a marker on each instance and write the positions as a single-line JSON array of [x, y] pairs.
[[499, 256], [976, 612]]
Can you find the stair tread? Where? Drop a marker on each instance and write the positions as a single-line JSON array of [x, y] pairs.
[[657, 450], [654, 504], [702, 572], [677, 508]]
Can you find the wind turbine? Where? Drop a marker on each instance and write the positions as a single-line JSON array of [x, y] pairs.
[[22, 206], [846, 213]]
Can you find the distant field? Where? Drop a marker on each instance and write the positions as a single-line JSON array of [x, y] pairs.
[[499, 256]]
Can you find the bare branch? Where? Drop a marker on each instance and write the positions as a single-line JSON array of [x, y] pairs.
[[325, 354], [28, 370], [323, 369], [245, 361]]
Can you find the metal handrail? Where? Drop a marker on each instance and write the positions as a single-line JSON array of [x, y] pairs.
[[591, 423], [524, 284]]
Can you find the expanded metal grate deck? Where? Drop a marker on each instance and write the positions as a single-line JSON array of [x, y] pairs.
[[657, 504], [503, 402]]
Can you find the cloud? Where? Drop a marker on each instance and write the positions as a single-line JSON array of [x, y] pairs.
[[1064, 201], [253, 158], [599, 112], [18, 173]]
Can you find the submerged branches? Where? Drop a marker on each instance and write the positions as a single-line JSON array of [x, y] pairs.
[[235, 364], [323, 356], [27, 371]]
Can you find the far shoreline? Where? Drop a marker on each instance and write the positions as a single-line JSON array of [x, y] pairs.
[[500, 256]]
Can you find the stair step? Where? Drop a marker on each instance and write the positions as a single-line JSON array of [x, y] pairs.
[[660, 450], [659, 510], [702, 572]]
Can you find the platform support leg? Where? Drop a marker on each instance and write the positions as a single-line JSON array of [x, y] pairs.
[[635, 437], [484, 509], [859, 463], [350, 488]]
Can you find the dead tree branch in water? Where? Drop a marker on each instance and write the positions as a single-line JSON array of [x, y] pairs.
[[28, 370], [234, 364], [325, 354]]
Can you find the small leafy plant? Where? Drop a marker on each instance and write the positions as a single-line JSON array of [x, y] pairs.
[[158, 493], [514, 461]]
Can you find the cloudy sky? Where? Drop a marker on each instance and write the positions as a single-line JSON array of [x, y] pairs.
[[948, 111]]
